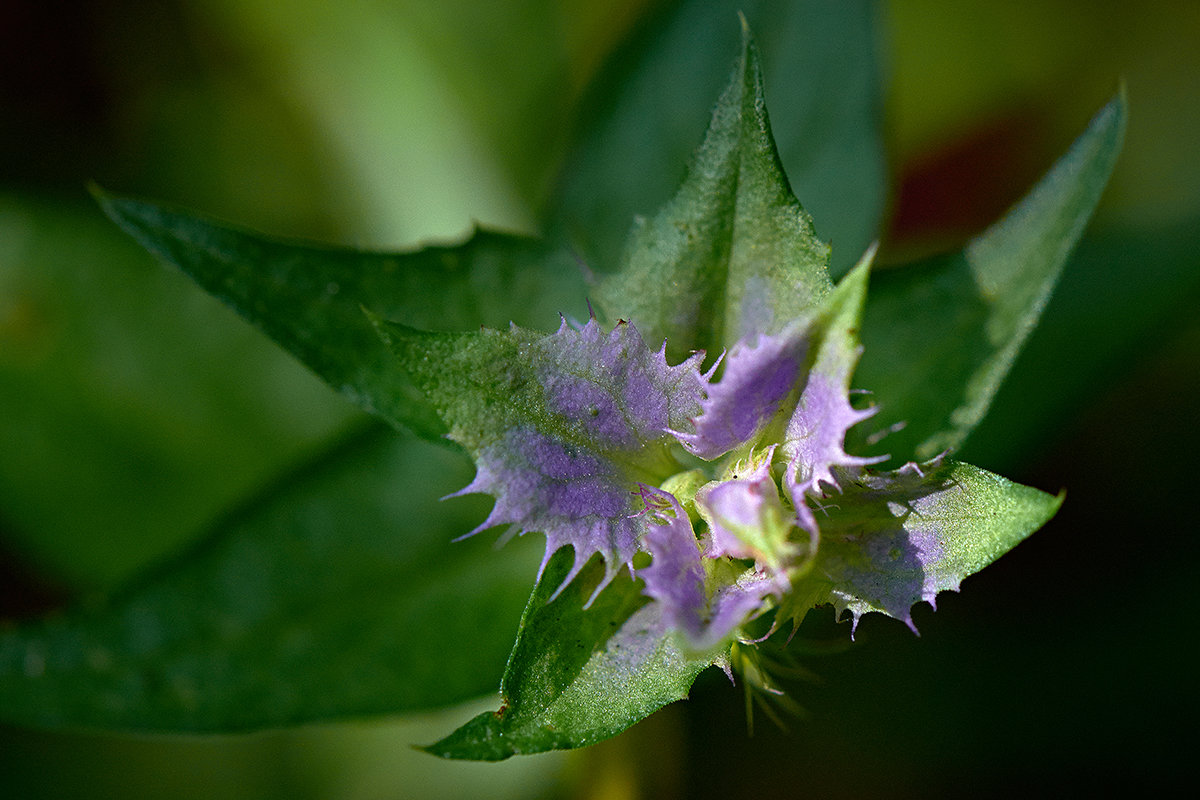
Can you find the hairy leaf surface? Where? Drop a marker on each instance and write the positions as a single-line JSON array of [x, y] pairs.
[[639, 121], [893, 539], [733, 254], [561, 426]]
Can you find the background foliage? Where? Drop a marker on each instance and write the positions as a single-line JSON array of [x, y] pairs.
[[133, 409]]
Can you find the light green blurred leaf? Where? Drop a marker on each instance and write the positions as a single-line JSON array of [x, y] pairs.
[[371, 80], [578, 675], [637, 129], [336, 594], [432, 115], [940, 335], [133, 408], [358, 759], [310, 299]]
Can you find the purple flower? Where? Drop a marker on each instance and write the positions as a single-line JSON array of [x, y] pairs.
[[606, 461], [773, 426], [735, 481]]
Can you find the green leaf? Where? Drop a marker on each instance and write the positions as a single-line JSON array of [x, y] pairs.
[[477, 382], [334, 595], [940, 335], [733, 253], [309, 298], [416, 103], [1142, 283], [638, 125], [579, 675], [894, 539]]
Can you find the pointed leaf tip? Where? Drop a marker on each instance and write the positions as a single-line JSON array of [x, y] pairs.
[[733, 253], [943, 333], [579, 676], [309, 298], [902, 537]]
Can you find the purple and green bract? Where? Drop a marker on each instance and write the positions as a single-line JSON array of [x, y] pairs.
[[700, 437], [734, 480], [687, 460]]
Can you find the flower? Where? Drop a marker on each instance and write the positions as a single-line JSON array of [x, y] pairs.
[[735, 481], [593, 439], [603, 470]]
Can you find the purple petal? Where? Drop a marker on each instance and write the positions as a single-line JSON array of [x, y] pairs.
[[746, 518], [575, 496], [738, 603], [816, 434], [758, 380], [676, 579], [611, 400], [615, 390], [918, 531], [883, 563]]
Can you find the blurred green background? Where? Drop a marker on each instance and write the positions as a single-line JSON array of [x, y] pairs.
[[133, 408]]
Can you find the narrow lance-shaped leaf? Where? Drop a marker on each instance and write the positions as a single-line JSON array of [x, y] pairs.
[[1131, 278], [579, 674], [332, 595], [309, 298], [732, 254], [941, 335]]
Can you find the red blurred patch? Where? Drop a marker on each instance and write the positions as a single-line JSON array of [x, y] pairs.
[[959, 188]]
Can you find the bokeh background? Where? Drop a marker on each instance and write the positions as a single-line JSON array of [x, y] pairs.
[[133, 408]]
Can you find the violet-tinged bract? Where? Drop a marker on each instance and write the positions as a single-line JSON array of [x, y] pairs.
[[693, 435], [735, 482]]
